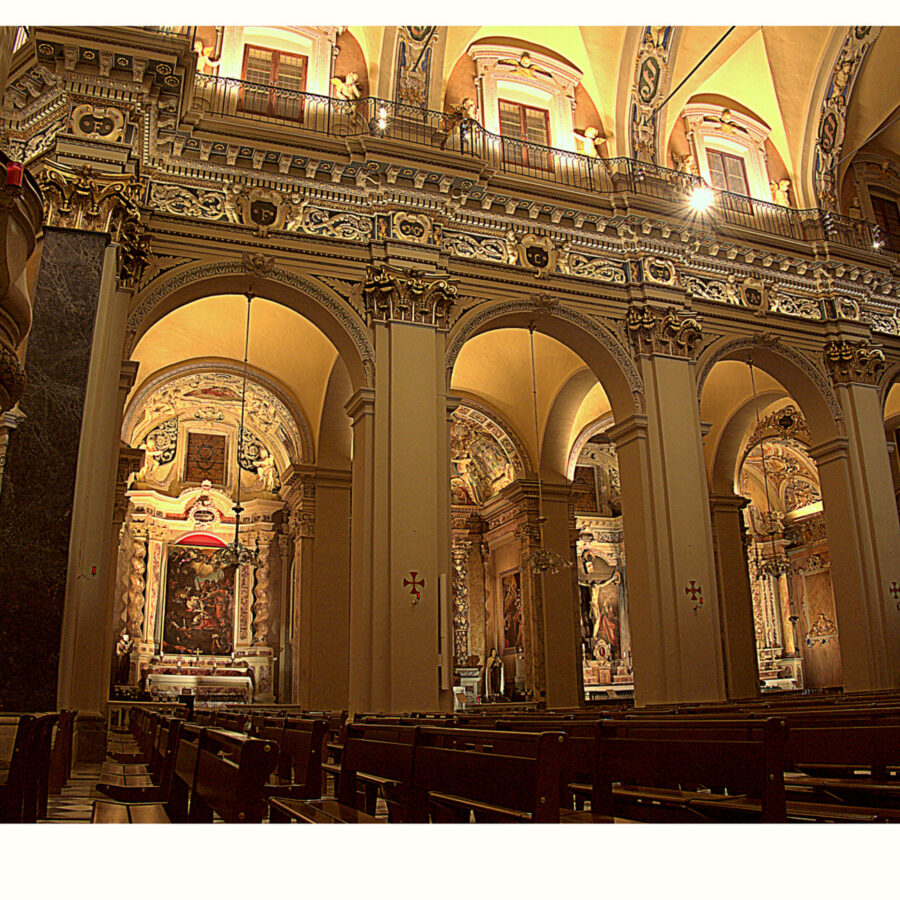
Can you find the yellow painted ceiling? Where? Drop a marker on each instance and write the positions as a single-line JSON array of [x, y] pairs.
[[496, 367], [594, 405], [282, 344]]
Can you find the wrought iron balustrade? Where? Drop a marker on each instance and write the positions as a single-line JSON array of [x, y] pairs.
[[233, 98]]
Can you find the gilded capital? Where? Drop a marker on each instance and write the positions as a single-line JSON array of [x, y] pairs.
[[396, 295], [662, 332], [856, 362]]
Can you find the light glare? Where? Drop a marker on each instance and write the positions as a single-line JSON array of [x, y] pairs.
[[701, 199]]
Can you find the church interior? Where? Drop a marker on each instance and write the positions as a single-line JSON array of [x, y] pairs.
[[406, 424]]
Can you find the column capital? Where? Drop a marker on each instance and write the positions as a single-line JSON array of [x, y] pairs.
[[722, 502], [662, 332], [362, 403], [628, 430], [854, 362], [830, 450], [12, 378], [397, 295]]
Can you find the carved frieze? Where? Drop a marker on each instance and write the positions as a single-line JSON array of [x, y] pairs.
[[664, 332], [331, 223], [651, 72], [179, 200], [392, 294], [855, 362]]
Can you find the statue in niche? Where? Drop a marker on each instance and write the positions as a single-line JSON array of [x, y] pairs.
[[124, 646], [780, 191], [206, 65], [493, 675], [684, 162], [855, 212]]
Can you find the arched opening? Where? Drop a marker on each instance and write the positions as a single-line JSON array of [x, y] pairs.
[[521, 423], [189, 621], [765, 493]]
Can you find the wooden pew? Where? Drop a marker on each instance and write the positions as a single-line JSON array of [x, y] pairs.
[[61, 757], [374, 757], [301, 753], [12, 791], [451, 784], [680, 777], [215, 773]]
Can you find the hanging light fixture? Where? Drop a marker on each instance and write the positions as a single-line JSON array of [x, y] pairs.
[[540, 559], [236, 553], [776, 565]]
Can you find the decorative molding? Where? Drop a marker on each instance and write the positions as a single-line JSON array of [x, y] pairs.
[[392, 294], [665, 333], [774, 344], [651, 75], [832, 119], [12, 378], [854, 362], [345, 317]]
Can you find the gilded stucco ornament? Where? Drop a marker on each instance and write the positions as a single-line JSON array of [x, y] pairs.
[[391, 294], [856, 362], [663, 332]]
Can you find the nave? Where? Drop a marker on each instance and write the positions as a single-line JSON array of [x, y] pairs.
[[802, 759]]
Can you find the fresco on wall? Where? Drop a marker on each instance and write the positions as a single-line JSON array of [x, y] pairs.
[[199, 612], [483, 458], [511, 589]]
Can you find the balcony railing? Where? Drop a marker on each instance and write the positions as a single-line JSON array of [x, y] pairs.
[[232, 98]]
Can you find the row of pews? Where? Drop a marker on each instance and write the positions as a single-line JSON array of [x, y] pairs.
[[40, 765], [803, 759]]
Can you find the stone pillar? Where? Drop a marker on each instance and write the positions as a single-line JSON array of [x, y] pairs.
[[857, 493], [330, 606], [672, 587], [367, 671], [735, 599], [460, 551], [561, 607], [409, 478], [9, 421]]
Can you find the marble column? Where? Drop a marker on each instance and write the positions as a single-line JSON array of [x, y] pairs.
[[672, 586], [40, 473], [735, 598], [475, 582], [85, 641]]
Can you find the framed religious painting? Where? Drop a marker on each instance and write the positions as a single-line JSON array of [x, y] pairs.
[[511, 594], [204, 459], [199, 602]]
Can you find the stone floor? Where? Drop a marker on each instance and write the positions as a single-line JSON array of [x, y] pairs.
[[77, 797]]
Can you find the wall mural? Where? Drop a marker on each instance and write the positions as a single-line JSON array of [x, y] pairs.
[[483, 458], [199, 603]]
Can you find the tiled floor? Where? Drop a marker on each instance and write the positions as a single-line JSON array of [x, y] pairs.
[[75, 802]]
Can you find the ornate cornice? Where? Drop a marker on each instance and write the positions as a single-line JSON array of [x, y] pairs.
[[854, 362], [391, 294], [663, 333]]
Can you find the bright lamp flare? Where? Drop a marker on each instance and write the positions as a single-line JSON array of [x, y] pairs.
[[702, 199]]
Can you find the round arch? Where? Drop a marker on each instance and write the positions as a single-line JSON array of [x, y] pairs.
[[601, 351], [807, 384], [337, 320]]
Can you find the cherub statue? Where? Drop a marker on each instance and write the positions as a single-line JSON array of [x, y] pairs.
[[206, 65], [591, 142], [266, 471], [346, 89], [780, 191], [726, 122], [685, 163]]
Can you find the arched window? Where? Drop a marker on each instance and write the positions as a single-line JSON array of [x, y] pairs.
[[527, 97], [729, 149]]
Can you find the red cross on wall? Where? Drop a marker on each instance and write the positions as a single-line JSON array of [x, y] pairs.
[[895, 592], [415, 585], [693, 590]]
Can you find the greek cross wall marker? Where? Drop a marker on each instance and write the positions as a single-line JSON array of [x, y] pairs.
[[414, 583], [693, 590], [895, 592]]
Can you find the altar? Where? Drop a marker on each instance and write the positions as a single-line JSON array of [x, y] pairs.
[[225, 688]]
